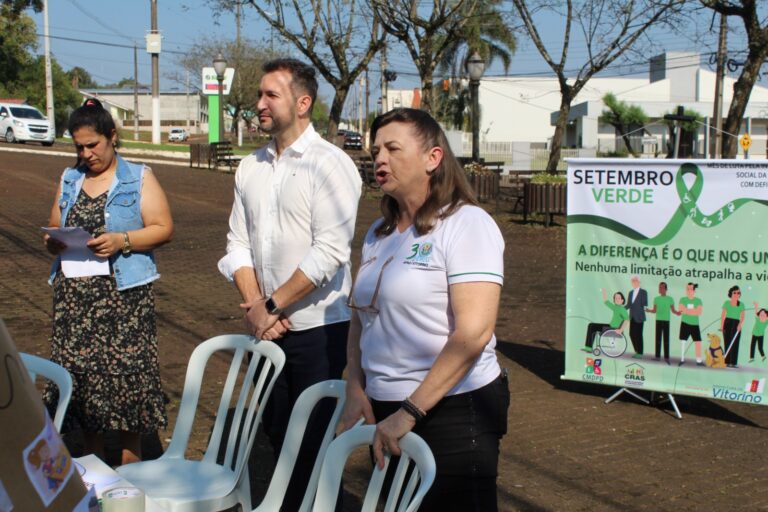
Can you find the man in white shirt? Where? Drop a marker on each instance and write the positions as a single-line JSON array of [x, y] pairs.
[[288, 248]]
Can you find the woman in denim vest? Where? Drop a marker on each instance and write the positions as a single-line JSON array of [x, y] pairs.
[[104, 329]]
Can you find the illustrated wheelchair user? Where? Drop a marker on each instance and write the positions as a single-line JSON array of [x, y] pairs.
[[610, 337]]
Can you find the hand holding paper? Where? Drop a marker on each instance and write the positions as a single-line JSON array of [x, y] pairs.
[[77, 259]]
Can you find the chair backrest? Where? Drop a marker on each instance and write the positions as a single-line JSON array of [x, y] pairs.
[[294, 434], [247, 403], [420, 475], [56, 374]]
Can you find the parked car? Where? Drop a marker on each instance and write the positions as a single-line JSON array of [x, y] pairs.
[[352, 140], [23, 123], [178, 135]]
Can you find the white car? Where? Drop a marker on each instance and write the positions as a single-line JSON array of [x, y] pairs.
[[24, 123], [178, 135]]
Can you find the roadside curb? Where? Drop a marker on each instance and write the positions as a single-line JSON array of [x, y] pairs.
[[179, 162]]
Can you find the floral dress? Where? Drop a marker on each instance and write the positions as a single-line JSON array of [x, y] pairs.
[[107, 339]]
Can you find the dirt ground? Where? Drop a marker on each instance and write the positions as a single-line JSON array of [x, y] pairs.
[[565, 449]]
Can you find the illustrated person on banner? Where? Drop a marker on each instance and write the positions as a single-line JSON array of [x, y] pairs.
[[690, 308], [663, 305], [619, 319], [758, 332], [731, 322], [637, 301], [104, 326], [288, 251]]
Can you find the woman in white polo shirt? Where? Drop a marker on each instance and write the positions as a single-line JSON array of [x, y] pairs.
[[421, 347]]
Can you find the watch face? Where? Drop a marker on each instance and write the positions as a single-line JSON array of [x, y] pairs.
[[271, 307]]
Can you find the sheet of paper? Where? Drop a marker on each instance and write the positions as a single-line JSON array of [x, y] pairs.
[[78, 260]]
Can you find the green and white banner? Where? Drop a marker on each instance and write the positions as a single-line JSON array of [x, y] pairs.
[[667, 276]]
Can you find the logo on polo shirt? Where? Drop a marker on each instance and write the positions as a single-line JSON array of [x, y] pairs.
[[420, 254]]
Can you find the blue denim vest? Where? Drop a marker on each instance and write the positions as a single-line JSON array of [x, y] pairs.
[[122, 213]]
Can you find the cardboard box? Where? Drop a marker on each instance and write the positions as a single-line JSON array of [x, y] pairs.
[[36, 469]]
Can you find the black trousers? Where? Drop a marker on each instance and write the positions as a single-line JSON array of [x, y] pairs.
[[732, 339], [662, 335], [592, 330], [757, 341], [636, 335], [311, 356], [463, 431]]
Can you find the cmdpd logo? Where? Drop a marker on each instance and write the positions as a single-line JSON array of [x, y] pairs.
[[593, 371], [634, 375]]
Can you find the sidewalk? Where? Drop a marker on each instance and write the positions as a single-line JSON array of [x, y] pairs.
[[565, 449]]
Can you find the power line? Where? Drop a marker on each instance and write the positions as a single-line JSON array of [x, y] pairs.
[[101, 43]]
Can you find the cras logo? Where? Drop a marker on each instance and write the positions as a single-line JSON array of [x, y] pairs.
[[593, 370], [634, 375], [752, 393], [420, 254]]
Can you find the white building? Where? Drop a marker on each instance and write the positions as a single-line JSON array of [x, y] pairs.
[[517, 114], [177, 109], [525, 109]]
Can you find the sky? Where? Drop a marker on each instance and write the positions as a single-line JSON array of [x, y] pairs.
[[183, 23]]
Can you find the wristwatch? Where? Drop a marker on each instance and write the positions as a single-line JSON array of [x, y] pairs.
[[272, 308], [126, 244]]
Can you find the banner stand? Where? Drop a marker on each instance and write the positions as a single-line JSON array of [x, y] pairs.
[[670, 398]]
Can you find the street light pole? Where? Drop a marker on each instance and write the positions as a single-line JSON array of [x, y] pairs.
[[475, 68], [220, 66]]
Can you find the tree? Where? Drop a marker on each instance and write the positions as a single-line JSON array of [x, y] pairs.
[[486, 32], [757, 52], [247, 59], [489, 34], [453, 104], [14, 8], [337, 37], [81, 79], [17, 40], [624, 118], [66, 98], [427, 35], [609, 27], [688, 131]]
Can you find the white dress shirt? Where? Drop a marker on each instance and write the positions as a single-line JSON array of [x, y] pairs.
[[297, 210]]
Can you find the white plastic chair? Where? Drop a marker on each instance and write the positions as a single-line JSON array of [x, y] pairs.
[[55, 373], [180, 484], [412, 447], [297, 425]]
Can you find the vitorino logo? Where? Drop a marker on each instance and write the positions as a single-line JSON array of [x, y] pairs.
[[752, 392], [593, 370]]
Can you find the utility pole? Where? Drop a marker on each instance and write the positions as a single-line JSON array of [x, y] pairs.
[[360, 105], [383, 68], [187, 102], [364, 133], [48, 74], [717, 148], [155, 79], [135, 93]]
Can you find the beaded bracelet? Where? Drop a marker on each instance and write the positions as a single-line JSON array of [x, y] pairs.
[[412, 409]]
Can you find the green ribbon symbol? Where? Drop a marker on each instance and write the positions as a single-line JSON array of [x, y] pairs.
[[687, 210]]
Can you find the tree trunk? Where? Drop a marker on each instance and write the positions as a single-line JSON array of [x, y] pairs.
[[557, 138], [426, 92], [627, 142], [741, 91], [335, 114]]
